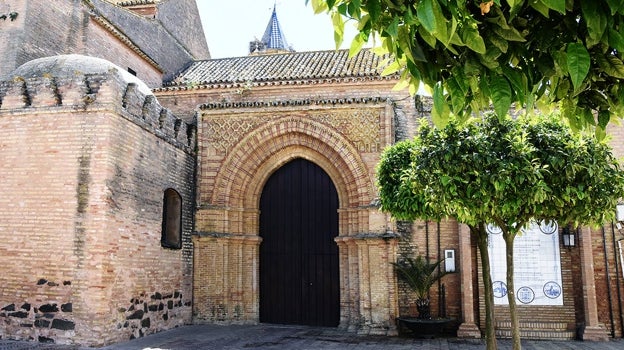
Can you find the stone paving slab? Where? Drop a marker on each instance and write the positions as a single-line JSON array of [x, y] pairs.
[[302, 338]]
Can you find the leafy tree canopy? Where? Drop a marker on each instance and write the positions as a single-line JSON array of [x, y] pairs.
[[477, 53], [502, 171]]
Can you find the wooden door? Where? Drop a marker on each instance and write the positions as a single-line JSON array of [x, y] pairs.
[[299, 281]]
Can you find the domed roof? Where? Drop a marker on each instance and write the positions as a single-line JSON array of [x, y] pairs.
[[70, 65]]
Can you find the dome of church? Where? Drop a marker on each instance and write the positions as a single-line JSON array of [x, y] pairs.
[[70, 65]]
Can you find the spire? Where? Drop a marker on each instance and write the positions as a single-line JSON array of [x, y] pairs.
[[273, 40]]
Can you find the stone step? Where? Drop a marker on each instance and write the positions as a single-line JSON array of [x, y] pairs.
[[537, 330]]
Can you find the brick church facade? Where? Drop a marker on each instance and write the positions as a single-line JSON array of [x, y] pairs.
[[147, 186]]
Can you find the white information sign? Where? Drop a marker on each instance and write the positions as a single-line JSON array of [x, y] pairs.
[[537, 272]]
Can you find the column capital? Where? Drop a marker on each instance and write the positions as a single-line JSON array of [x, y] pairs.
[[205, 236]]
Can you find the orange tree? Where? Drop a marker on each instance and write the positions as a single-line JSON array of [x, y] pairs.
[[500, 171], [477, 53]]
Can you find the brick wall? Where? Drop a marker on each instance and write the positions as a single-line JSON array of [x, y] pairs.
[[86, 160]]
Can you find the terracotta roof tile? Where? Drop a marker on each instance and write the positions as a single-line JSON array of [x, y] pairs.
[[294, 66]]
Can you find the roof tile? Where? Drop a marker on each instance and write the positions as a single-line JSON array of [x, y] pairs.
[[290, 66]]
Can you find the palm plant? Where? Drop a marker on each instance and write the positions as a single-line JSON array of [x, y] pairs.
[[419, 275]]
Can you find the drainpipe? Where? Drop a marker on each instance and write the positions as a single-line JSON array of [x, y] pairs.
[[427, 240], [609, 297], [427, 247], [617, 278], [441, 301]]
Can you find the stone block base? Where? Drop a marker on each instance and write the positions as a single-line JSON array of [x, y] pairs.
[[469, 331]]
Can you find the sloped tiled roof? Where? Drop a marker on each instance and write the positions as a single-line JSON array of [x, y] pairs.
[[134, 2], [294, 66]]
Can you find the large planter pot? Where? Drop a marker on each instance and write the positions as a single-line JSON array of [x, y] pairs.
[[423, 328]]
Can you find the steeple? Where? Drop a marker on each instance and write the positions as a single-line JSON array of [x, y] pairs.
[[273, 40]]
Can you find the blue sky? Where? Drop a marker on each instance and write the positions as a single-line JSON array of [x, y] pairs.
[[231, 24]]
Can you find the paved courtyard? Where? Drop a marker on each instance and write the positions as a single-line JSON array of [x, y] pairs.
[[301, 338]]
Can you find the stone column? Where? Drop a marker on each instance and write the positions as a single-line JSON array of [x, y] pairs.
[[346, 290], [468, 328], [594, 330], [378, 305]]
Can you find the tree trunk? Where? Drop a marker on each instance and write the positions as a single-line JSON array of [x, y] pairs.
[[424, 309], [511, 294], [482, 243]]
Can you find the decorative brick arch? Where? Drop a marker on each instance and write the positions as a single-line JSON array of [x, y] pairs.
[[229, 220], [251, 162]]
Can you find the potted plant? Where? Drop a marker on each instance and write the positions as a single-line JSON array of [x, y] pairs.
[[419, 275]]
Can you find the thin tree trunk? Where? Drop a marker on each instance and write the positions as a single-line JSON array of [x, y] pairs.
[[511, 294], [482, 243]]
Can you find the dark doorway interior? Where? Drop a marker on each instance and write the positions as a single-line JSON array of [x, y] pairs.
[[299, 281]]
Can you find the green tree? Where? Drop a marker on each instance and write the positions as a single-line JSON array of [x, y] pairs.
[[475, 53], [501, 171]]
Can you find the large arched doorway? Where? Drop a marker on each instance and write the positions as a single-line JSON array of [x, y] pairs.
[[299, 282]]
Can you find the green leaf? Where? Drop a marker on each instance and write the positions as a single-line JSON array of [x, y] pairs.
[[473, 40], [514, 3], [490, 59], [393, 28], [588, 116], [501, 95], [411, 49], [563, 89], [458, 95], [511, 34], [578, 63], [354, 9], [338, 29], [616, 40], [441, 31], [356, 45], [374, 9], [414, 84], [391, 68], [601, 133], [499, 42], [568, 109], [319, 6], [611, 65], [596, 21], [615, 6], [540, 7], [364, 23], [557, 5], [426, 36], [515, 78], [603, 118], [426, 16], [440, 112]]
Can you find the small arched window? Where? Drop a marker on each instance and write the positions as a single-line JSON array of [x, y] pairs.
[[172, 220]]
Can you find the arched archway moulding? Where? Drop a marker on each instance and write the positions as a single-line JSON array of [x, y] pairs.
[[234, 202], [312, 140]]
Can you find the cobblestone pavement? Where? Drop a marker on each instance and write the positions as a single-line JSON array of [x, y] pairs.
[[302, 338]]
